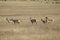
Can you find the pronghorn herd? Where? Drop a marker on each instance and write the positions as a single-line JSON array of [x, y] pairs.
[[32, 20]]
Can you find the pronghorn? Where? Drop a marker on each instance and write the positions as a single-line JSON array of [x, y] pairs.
[[13, 20], [47, 20], [33, 20]]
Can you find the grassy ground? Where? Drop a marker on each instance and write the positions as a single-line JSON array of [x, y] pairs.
[[26, 30], [12, 7]]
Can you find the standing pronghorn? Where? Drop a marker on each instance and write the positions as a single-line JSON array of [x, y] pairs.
[[13, 20], [47, 20], [33, 20]]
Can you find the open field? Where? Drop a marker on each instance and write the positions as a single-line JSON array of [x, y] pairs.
[[12, 8], [25, 30], [28, 31]]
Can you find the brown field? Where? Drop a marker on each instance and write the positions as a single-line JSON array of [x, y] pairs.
[[26, 30]]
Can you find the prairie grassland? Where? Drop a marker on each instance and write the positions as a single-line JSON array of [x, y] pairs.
[[26, 30], [12, 8]]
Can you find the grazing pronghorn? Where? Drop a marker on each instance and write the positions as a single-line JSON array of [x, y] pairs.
[[13, 20], [47, 20], [33, 20]]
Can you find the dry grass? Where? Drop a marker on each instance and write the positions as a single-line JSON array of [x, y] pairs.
[[26, 30]]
